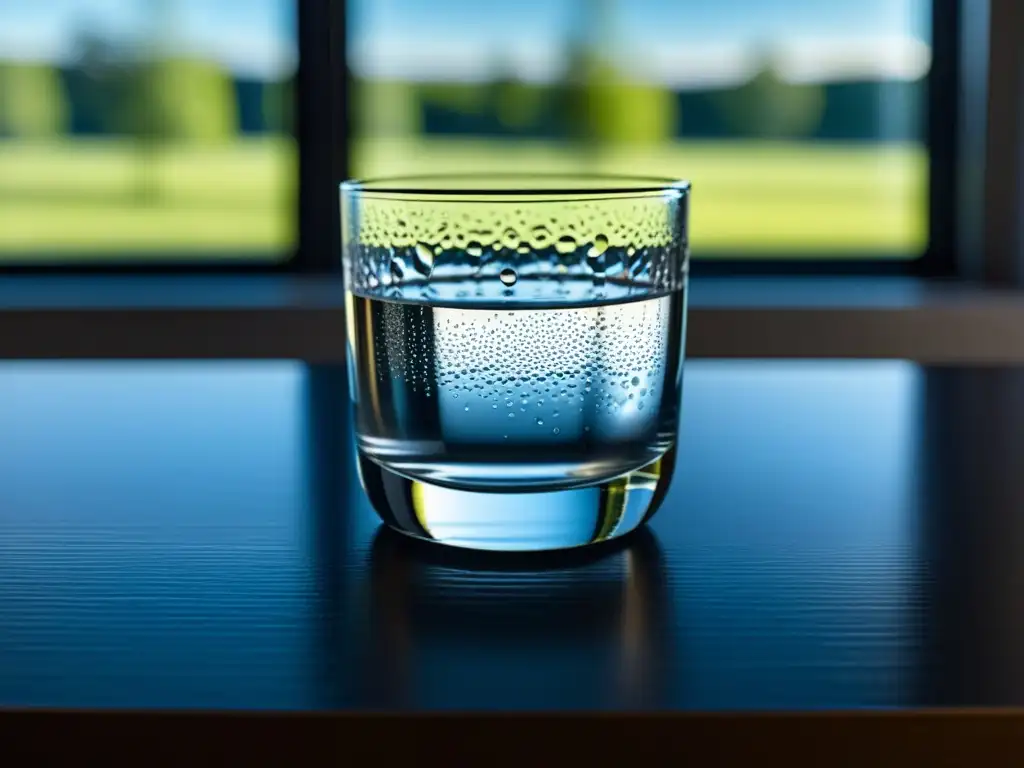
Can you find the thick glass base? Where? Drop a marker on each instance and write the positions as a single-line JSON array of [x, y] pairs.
[[521, 521]]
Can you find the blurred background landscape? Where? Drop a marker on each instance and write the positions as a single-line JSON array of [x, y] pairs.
[[163, 127]]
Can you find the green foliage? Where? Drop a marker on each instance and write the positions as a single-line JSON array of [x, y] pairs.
[[385, 108], [461, 97], [605, 107], [180, 99], [33, 103], [517, 104], [768, 107], [278, 106]]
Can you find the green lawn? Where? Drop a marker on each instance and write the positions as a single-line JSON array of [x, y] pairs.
[[75, 197], [755, 199]]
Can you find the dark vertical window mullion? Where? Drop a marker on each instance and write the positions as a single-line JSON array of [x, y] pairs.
[[942, 132], [1004, 152], [321, 57]]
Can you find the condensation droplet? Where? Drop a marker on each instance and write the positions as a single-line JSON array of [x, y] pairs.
[[565, 244], [555, 431], [540, 422], [508, 276], [475, 249], [424, 262], [510, 238], [635, 380], [540, 236], [397, 269], [600, 246]]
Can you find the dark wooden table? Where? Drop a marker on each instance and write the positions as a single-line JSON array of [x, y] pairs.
[[840, 537]]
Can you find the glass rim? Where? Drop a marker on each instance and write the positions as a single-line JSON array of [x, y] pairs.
[[500, 184]]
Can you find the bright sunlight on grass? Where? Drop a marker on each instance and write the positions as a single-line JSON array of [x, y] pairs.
[[111, 197]]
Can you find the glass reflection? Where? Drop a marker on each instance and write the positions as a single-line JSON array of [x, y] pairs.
[[459, 630]]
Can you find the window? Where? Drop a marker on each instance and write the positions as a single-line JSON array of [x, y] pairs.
[[802, 124], [147, 130]]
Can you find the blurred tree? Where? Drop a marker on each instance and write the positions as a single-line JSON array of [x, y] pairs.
[[769, 107], [385, 108], [517, 105], [170, 97], [99, 84], [33, 103], [469, 98], [181, 99], [278, 106], [603, 106]]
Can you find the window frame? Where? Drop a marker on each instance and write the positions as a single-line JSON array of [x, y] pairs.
[[942, 137], [322, 139]]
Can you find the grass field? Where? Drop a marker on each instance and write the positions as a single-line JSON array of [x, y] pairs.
[[77, 198]]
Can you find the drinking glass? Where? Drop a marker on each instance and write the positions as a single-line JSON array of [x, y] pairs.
[[515, 349]]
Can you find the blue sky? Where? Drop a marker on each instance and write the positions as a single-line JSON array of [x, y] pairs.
[[257, 36], [685, 42], [677, 21], [251, 36]]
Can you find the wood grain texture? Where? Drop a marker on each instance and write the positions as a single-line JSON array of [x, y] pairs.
[[838, 535]]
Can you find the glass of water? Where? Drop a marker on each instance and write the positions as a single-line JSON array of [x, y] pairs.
[[515, 353]]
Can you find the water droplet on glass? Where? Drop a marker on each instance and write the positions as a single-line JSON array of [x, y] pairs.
[[555, 431], [635, 380], [566, 244], [510, 238], [474, 249], [397, 269], [540, 422], [540, 236], [511, 415], [600, 246], [523, 249], [508, 276], [424, 262], [466, 408]]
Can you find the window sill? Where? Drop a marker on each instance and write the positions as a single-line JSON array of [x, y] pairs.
[[301, 317]]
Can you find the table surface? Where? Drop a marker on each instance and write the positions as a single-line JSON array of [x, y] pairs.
[[192, 535]]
